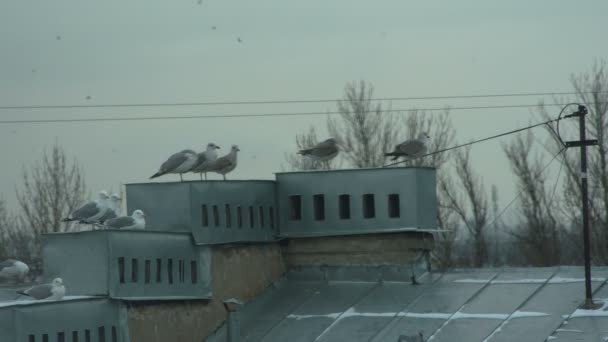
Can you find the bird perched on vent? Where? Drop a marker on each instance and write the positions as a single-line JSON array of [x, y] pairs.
[[411, 338], [113, 209], [205, 160], [225, 164], [92, 211], [323, 151], [53, 291], [137, 220], [13, 269], [180, 162], [410, 149]]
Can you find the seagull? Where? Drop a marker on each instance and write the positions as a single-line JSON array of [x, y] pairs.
[[225, 164], [323, 151], [12, 268], [114, 207], [180, 162], [411, 338], [91, 211], [53, 291], [239, 40], [410, 149], [205, 159], [135, 221]]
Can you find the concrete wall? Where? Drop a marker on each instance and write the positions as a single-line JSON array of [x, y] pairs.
[[238, 271], [367, 249]]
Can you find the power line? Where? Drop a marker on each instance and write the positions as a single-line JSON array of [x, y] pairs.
[[223, 103], [480, 140], [222, 116]]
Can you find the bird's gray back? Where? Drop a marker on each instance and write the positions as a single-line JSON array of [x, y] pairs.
[[120, 222], [40, 291], [110, 214], [88, 210], [174, 161], [411, 147], [7, 263]]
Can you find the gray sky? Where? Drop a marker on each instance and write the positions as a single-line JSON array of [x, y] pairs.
[[166, 51]]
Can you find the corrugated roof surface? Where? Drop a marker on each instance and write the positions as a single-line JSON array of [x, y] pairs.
[[533, 304]]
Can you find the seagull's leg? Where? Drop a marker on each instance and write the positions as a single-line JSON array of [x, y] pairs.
[[224, 177], [201, 174], [181, 178], [205, 175]]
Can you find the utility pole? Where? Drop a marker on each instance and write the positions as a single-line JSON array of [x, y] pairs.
[[583, 143]]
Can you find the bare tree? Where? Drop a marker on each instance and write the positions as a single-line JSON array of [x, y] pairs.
[[364, 131], [592, 90], [51, 189], [297, 162], [15, 241], [470, 204], [539, 233]]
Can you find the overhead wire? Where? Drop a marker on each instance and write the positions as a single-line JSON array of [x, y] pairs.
[[222, 103]]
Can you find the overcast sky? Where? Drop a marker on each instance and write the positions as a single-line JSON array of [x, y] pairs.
[[61, 52]]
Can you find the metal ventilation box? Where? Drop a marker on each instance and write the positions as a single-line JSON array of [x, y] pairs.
[[70, 319], [356, 201], [129, 264], [213, 211]]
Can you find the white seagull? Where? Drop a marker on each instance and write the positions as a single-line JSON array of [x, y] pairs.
[[225, 164], [410, 149], [12, 269], [180, 162], [205, 160], [92, 211], [137, 220], [53, 291], [113, 209], [323, 151]]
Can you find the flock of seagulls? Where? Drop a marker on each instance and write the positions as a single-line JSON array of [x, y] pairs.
[[103, 212], [12, 269], [189, 161]]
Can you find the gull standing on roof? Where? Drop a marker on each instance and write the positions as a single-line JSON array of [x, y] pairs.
[[180, 162], [13, 269], [53, 291], [225, 164], [92, 211], [205, 160], [135, 221], [113, 210], [410, 149], [323, 151]]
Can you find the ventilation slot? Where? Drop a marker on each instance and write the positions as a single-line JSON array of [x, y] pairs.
[[239, 216], [61, 336], [121, 270], [147, 272], [74, 336], [101, 334], [204, 216], [369, 208], [159, 268], [393, 206], [344, 207], [251, 218], [216, 216], [45, 338], [134, 270], [31, 338], [114, 334], [318, 202], [170, 270], [295, 207], [228, 216], [87, 336], [271, 217], [193, 272], [182, 271], [261, 215]]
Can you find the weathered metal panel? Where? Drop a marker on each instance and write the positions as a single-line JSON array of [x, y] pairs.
[[213, 211], [129, 264], [87, 319], [373, 200]]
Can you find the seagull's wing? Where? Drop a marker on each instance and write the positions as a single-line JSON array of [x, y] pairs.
[[321, 149], [222, 163], [174, 162], [39, 291], [88, 210], [120, 222], [110, 214], [410, 147], [201, 159], [6, 263]]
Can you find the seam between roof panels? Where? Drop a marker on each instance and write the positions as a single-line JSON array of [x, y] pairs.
[[534, 293], [465, 303], [407, 306]]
